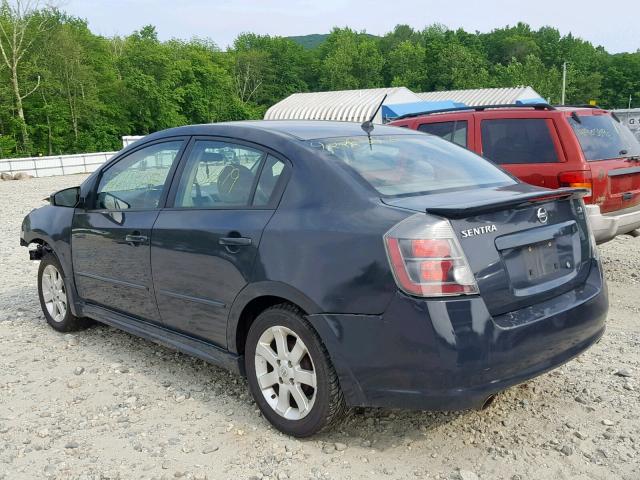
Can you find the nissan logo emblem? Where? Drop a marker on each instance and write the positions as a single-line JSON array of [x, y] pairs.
[[542, 215]]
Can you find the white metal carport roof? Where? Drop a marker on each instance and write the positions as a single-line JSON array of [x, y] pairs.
[[345, 105], [483, 96]]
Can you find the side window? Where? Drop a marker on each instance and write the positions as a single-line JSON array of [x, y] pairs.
[[218, 175], [518, 140], [455, 132], [137, 181], [271, 173]]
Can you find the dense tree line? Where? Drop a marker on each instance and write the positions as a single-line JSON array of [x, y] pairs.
[[64, 89]]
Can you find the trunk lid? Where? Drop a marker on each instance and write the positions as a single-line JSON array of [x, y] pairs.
[[523, 244]]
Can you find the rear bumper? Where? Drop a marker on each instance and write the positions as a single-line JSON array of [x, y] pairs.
[[451, 354], [606, 226]]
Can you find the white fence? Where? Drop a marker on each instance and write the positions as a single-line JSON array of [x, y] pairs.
[[56, 165]]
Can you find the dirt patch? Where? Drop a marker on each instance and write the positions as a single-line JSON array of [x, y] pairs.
[[103, 404]]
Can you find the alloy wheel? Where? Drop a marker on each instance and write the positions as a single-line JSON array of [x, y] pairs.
[[54, 293], [285, 373]]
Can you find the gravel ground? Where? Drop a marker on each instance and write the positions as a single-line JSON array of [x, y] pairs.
[[102, 404]]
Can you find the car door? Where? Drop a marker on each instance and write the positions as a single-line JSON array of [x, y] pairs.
[[110, 237], [204, 244]]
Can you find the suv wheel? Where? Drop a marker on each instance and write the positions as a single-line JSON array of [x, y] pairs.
[[54, 300], [290, 374]]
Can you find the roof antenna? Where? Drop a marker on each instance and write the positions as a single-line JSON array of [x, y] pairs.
[[367, 125]]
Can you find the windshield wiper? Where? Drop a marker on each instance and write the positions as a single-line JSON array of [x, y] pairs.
[[623, 154]]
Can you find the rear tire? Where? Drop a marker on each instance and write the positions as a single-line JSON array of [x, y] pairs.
[[54, 298], [290, 373]]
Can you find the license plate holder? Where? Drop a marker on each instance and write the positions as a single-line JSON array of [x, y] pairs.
[[541, 259]]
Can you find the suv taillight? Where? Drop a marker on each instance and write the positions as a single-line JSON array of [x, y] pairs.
[[577, 179], [426, 258]]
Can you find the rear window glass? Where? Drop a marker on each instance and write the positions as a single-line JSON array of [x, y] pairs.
[[411, 164], [518, 140], [601, 137], [455, 132]]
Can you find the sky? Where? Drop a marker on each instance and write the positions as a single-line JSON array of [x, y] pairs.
[[614, 24]]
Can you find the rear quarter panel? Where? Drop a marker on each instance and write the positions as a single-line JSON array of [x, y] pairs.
[[325, 240]]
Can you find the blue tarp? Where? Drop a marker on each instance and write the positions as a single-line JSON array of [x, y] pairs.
[[389, 112], [530, 101]]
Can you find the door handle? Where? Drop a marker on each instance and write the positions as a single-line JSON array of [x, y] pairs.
[[235, 241], [134, 239]]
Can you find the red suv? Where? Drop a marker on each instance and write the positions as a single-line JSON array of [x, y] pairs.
[[553, 147]]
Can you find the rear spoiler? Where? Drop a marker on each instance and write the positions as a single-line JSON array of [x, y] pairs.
[[461, 209]]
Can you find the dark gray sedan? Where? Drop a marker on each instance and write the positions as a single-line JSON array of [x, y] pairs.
[[332, 266]]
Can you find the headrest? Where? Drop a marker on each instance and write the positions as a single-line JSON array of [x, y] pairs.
[[211, 157], [234, 184]]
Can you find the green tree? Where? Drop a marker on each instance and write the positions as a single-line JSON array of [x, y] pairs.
[[268, 69], [20, 25], [64, 89], [350, 60], [531, 71], [406, 66], [457, 67]]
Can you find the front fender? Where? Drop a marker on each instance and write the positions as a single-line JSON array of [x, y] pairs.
[[51, 225]]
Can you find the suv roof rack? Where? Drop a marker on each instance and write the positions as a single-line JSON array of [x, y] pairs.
[[479, 108], [584, 105]]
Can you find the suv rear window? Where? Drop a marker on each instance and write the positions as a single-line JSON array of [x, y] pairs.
[[455, 132], [601, 137], [412, 164], [518, 140]]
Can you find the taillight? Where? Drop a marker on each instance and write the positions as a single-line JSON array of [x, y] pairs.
[[426, 258], [577, 179]]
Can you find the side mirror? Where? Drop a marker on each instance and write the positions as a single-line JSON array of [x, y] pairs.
[[69, 197]]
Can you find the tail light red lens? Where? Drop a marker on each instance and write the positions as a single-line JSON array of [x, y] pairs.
[[426, 258], [577, 179], [430, 248]]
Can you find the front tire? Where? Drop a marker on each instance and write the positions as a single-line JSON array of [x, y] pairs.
[[54, 298], [290, 374]]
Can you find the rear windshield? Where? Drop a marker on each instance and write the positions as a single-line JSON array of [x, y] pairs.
[[601, 137], [412, 164]]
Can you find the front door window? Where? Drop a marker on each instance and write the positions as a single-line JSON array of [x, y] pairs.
[[138, 180]]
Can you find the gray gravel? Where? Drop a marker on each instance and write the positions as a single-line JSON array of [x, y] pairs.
[[102, 404]]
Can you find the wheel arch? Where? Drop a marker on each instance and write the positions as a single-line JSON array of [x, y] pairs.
[[50, 229], [254, 299]]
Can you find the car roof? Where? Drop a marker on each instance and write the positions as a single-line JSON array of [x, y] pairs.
[[298, 129]]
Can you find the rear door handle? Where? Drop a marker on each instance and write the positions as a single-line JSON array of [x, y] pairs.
[[136, 239], [235, 241]]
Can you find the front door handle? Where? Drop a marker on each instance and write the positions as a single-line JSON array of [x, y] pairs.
[[134, 239], [235, 241]]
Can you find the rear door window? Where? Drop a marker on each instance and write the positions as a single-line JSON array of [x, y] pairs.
[[218, 175], [269, 178], [455, 131], [518, 140], [601, 137]]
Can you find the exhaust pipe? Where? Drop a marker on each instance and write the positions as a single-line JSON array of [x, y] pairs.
[[488, 401]]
